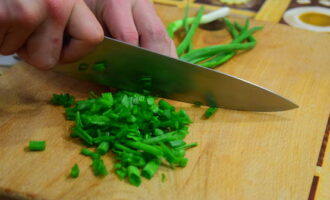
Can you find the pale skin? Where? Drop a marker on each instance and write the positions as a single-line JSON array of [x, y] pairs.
[[34, 29]]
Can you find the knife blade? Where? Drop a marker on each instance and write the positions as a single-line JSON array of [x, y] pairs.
[[137, 69]]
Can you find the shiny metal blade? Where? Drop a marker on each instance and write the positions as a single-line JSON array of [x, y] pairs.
[[137, 69]]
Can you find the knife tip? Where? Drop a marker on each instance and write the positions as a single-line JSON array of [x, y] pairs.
[[287, 105]]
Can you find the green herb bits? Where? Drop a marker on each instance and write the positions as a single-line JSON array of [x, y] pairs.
[[141, 133], [100, 67], [37, 145]]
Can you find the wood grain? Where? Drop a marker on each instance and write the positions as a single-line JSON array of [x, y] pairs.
[[241, 155]]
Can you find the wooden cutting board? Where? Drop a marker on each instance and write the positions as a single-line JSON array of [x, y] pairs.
[[241, 155]]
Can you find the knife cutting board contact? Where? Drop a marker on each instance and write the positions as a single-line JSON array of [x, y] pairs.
[[241, 155]]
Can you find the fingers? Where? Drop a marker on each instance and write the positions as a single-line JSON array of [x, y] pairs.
[[15, 38], [17, 24], [85, 33], [137, 23], [44, 49], [118, 18], [152, 32], [3, 23], [3, 32]]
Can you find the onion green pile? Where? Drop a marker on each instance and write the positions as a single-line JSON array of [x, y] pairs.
[[139, 131]]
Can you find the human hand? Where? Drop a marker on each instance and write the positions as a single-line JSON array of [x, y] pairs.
[[135, 22], [34, 30]]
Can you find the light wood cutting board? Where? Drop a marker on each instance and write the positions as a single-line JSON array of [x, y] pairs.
[[241, 155]]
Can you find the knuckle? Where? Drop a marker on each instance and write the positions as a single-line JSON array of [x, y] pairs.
[[53, 5], [130, 36], [25, 16], [55, 10], [159, 33], [28, 19]]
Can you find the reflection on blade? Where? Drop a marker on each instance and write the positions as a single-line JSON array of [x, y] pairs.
[[136, 69]]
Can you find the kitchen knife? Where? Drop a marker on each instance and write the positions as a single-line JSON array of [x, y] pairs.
[[140, 70]]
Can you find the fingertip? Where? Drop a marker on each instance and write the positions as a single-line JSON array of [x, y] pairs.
[[83, 25], [120, 22], [97, 37], [85, 31], [44, 63], [153, 34], [76, 50], [173, 50], [90, 32]]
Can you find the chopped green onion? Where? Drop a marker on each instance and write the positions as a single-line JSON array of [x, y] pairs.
[[101, 139], [125, 149], [210, 111], [134, 176], [99, 168], [182, 162], [75, 171], [159, 132], [198, 103], [168, 154], [83, 135], [86, 152], [37, 145], [150, 169], [176, 143], [65, 100], [154, 150], [99, 67], [165, 105], [135, 128], [187, 146], [121, 173], [78, 119], [106, 99], [103, 148], [89, 153], [163, 177], [162, 138]]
